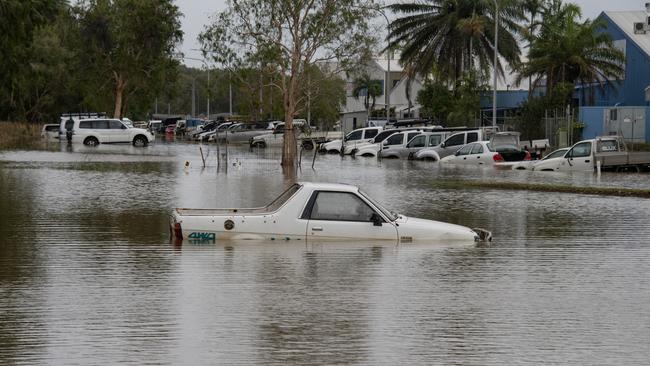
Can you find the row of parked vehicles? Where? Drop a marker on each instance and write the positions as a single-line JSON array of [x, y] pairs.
[[488, 147], [257, 135]]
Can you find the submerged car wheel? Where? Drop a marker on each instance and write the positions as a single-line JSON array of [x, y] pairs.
[[140, 141], [91, 141], [307, 145], [259, 144]]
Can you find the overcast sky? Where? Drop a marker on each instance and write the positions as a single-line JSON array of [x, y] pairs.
[[197, 15]]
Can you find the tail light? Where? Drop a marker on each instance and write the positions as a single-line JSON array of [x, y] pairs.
[[497, 158], [178, 232], [527, 158]]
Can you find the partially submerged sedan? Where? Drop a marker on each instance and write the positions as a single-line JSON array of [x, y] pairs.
[[482, 153], [315, 211], [477, 153]]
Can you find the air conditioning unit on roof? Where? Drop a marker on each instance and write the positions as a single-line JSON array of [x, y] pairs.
[[640, 28]]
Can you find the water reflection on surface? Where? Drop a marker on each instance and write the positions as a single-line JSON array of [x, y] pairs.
[[87, 274]]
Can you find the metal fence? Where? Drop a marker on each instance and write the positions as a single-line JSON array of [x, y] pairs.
[[559, 127]]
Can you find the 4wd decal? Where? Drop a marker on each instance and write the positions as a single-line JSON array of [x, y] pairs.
[[202, 236]]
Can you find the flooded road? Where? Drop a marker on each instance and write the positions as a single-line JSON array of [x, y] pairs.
[[88, 276]]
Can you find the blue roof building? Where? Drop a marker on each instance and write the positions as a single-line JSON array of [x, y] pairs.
[[630, 32], [622, 106]]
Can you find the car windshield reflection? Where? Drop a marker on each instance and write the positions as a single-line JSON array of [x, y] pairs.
[[392, 216]]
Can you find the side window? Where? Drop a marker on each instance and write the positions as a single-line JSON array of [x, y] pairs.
[[477, 149], [100, 125], [555, 154], [417, 141], [395, 139], [371, 133], [116, 125], [434, 140], [456, 140], [472, 137], [581, 150], [85, 124], [340, 206], [607, 145], [412, 135], [465, 150], [353, 136]]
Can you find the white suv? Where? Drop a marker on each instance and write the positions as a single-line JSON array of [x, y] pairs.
[[93, 132]]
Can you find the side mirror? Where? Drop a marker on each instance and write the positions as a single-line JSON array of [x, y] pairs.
[[457, 153], [443, 145], [376, 219]]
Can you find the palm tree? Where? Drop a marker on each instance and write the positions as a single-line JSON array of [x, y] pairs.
[[532, 10], [455, 36], [372, 88], [570, 51]]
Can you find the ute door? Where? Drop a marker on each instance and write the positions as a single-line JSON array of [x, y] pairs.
[[579, 158], [345, 216]]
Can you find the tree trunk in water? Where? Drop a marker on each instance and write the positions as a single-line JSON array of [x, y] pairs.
[[120, 84], [289, 147]]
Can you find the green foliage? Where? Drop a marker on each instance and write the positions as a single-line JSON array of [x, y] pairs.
[[568, 50], [457, 107], [21, 19], [467, 100], [453, 37], [325, 94], [127, 49], [530, 121], [288, 37], [60, 58], [369, 88], [436, 100]]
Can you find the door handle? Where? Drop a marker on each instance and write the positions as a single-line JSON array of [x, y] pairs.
[[385, 147], [316, 228], [464, 158], [587, 161]]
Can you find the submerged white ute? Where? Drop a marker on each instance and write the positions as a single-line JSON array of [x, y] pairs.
[[315, 211]]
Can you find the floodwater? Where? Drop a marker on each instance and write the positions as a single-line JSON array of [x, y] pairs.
[[88, 275]]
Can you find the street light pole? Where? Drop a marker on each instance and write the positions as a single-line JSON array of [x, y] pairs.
[[496, 55], [387, 76], [230, 91], [207, 67]]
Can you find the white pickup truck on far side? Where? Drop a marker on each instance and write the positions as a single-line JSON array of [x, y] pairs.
[[609, 152]]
